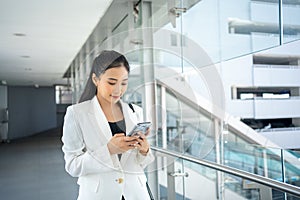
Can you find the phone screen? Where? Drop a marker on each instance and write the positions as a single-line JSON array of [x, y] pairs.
[[140, 127]]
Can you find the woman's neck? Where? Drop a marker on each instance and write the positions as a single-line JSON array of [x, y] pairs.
[[112, 111]]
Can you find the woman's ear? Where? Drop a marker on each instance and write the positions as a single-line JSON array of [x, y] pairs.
[[94, 79]]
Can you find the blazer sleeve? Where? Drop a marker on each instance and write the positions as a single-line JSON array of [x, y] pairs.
[[145, 160], [79, 160]]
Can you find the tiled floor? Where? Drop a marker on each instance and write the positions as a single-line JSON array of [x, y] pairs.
[[33, 169]]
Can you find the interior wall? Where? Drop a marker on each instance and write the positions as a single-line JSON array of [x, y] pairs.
[[31, 110], [60, 113]]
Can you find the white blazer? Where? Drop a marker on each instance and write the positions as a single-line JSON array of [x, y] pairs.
[[86, 133]]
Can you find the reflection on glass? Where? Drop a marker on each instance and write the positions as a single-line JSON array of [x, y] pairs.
[[225, 31], [182, 179], [291, 22], [240, 154], [187, 129]]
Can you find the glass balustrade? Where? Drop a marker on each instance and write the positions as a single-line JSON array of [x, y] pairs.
[[191, 131], [183, 177]]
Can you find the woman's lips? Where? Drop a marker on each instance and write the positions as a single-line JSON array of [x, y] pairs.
[[115, 97]]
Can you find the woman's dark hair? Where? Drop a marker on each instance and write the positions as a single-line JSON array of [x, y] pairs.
[[104, 61]]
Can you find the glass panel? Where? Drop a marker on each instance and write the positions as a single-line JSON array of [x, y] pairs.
[[224, 31], [166, 20], [73, 84], [187, 130], [137, 82], [240, 154], [291, 22], [292, 167], [202, 182], [77, 80], [263, 30], [170, 185], [199, 137], [120, 32], [201, 29]]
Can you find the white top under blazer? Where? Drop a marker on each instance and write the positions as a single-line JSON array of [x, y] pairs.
[[101, 175]]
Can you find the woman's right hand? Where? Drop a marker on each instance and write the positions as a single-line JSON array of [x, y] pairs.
[[119, 143]]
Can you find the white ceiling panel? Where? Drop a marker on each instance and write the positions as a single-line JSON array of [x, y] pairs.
[[54, 31]]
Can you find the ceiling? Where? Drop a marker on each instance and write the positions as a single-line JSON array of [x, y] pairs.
[[40, 38]]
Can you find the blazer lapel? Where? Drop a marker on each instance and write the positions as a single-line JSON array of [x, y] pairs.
[[104, 129], [102, 123], [101, 120]]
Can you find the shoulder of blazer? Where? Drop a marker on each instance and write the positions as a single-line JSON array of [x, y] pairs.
[[82, 107]]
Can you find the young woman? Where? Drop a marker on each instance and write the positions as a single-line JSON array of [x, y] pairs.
[[108, 164]]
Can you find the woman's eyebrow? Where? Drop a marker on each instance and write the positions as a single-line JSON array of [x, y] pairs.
[[114, 79]]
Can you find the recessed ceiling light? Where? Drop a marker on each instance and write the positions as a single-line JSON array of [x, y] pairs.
[[25, 56], [19, 34]]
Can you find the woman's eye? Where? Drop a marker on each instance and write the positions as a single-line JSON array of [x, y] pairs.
[[124, 83], [110, 83]]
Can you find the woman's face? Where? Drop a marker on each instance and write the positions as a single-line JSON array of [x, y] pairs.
[[112, 84]]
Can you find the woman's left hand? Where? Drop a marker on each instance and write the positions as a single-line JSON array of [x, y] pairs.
[[142, 145]]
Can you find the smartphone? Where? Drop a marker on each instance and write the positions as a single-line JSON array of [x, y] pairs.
[[140, 127]]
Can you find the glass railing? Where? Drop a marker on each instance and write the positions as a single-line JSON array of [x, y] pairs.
[[239, 154], [182, 176], [190, 131]]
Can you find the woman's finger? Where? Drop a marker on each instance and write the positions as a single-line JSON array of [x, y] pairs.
[[142, 136], [132, 143], [147, 132], [130, 138], [119, 135]]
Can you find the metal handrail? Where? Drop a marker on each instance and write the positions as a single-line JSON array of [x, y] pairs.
[[284, 187]]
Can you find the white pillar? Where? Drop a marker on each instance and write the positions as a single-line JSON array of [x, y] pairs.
[[149, 96]]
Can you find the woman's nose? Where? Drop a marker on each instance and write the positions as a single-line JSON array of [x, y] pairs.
[[117, 88]]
